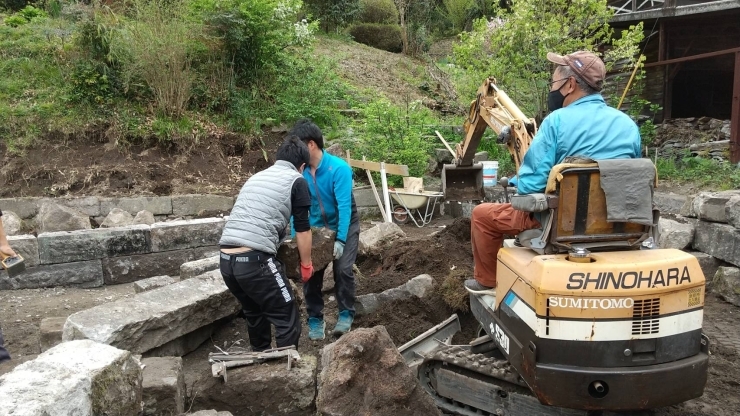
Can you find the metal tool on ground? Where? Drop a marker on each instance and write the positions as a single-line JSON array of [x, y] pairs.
[[221, 362], [14, 265], [462, 180]]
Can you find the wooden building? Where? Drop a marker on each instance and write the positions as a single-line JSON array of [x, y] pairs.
[[692, 51]]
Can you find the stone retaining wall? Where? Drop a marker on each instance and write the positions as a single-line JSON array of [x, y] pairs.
[[92, 258]]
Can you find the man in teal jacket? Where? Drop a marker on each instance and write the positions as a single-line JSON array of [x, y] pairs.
[[333, 206], [580, 124]]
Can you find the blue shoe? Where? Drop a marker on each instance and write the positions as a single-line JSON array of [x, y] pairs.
[[316, 328], [344, 323]]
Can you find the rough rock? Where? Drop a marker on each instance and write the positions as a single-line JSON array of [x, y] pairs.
[[155, 282], [687, 210], [210, 413], [26, 208], [185, 344], [66, 247], [378, 234], [117, 218], [328, 285], [336, 150], [480, 157], [669, 202], [27, 246], [88, 205], [198, 267], [150, 319], [674, 234], [322, 252], [144, 217], [163, 386], [718, 240], [81, 378], [85, 274], [263, 389], [157, 205], [363, 374], [182, 234], [50, 332], [54, 217], [443, 155], [418, 286], [126, 269], [732, 211], [11, 223], [710, 206], [726, 284], [194, 204]]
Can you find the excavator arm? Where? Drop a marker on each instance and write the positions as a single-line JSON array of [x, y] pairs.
[[463, 180]]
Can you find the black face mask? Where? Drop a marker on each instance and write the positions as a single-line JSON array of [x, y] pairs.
[[555, 100]]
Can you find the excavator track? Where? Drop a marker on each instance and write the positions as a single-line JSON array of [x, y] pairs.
[[470, 384]]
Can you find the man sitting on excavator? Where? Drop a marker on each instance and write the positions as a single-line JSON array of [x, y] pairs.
[[580, 124]]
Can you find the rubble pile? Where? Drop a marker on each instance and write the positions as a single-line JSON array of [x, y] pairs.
[[704, 137]]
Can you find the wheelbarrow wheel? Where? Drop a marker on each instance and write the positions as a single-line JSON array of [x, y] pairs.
[[400, 216]]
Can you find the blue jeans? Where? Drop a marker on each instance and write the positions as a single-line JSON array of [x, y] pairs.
[[344, 277]]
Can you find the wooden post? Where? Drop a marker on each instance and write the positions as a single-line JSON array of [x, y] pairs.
[[735, 115], [375, 192], [386, 194]]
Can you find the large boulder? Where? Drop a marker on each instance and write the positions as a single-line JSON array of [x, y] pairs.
[[710, 206], [144, 217], [261, 389], [363, 374], [198, 267], [418, 286], [150, 319], [382, 232], [726, 284], [54, 217], [163, 386], [669, 202], [674, 234], [117, 218], [322, 252], [732, 211], [81, 378], [11, 223]]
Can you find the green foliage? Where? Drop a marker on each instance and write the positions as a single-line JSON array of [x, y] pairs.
[[254, 33], [699, 171], [393, 134], [381, 36], [306, 86], [513, 48], [458, 12], [155, 46], [25, 15], [94, 83], [378, 11], [333, 14]]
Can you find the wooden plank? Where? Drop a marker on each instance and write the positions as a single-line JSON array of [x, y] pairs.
[[454, 156], [693, 57], [375, 192], [390, 169], [735, 115]]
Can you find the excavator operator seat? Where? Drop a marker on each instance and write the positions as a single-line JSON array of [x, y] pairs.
[[576, 211]]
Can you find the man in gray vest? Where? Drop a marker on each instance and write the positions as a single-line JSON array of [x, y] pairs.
[[257, 225]]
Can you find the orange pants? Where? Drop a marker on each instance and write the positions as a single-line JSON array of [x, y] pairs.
[[488, 225]]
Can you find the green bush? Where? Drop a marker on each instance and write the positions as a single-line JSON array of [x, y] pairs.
[[25, 15], [333, 14], [380, 36], [378, 11], [458, 12], [93, 82]]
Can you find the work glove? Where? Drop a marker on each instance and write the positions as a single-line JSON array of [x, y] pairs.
[[338, 249], [306, 272]]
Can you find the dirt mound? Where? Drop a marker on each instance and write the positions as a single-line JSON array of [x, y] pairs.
[[394, 264], [91, 166]]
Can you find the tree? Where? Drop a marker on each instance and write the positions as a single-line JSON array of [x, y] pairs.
[[513, 47], [333, 14], [402, 6]]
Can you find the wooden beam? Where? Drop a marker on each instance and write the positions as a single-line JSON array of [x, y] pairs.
[[661, 42], [735, 115], [693, 57], [390, 169]]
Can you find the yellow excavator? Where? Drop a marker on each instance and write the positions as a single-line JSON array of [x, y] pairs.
[[462, 180], [589, 316]]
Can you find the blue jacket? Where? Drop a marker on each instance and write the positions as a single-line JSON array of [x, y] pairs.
[[331, 189], [586, 127]]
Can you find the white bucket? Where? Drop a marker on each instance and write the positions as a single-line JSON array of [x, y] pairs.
[[490, 173]]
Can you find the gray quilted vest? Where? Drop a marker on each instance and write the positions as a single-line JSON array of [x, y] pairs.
[[261, 213]]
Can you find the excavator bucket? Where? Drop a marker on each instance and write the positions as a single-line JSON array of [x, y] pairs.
[[462, 183]]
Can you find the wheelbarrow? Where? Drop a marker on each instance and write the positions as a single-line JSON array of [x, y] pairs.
[[409, 205]]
